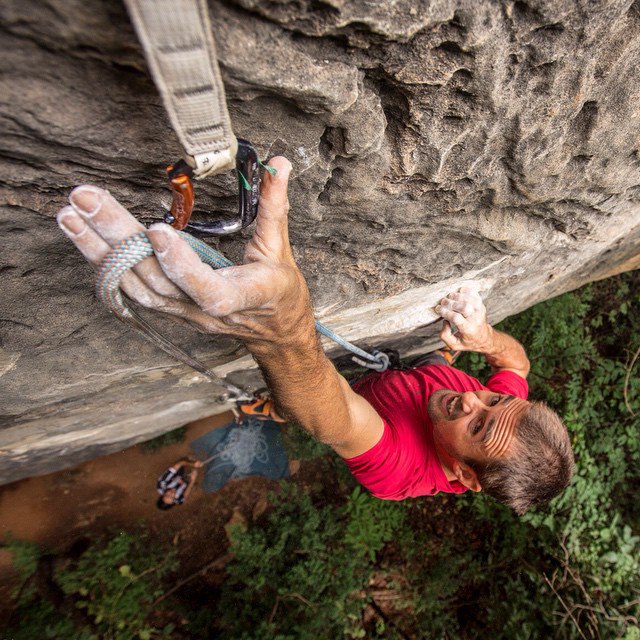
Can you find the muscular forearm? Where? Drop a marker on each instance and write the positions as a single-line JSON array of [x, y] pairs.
[[305, 385], [504, 352]]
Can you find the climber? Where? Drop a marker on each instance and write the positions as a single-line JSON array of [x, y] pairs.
[[402, 433], [176, 484]]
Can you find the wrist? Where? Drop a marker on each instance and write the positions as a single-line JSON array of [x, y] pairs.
[[292, 330], [488, 341]]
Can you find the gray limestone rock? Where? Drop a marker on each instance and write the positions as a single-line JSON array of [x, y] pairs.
[[433, 142]]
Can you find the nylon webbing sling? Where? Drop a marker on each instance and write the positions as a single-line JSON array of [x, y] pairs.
[[180, 51]]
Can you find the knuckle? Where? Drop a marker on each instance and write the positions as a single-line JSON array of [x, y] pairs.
[[219, 308], [174, 307]]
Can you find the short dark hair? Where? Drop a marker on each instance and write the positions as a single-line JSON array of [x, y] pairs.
[[161, 504], [540, 466]]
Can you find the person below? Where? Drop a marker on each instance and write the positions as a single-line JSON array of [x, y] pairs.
[[176, 483]]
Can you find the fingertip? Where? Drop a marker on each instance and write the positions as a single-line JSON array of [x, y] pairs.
[[160, 235], [87, 199], [282, 166], [274, 199], [161, 226], [70, 222]]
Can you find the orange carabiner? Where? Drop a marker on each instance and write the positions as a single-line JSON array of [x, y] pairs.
[[182, 206]]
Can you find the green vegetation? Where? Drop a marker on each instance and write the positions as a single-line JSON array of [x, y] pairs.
[[328, 561], [106, 592], [306, 564]]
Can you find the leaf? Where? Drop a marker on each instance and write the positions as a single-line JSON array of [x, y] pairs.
[[124, 570]]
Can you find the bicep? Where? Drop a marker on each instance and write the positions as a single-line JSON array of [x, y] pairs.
[[365, 429]]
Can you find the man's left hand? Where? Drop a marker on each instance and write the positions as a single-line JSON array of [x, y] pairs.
[[465, 309]]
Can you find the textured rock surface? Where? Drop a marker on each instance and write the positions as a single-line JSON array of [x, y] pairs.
[[432, 142]]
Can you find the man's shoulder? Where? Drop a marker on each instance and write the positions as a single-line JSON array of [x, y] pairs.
[[509, 382]]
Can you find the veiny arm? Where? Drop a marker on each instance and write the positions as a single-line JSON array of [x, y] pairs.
[[264, 302], [466, 310]]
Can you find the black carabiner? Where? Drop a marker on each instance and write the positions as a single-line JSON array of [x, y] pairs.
[[248, 174]]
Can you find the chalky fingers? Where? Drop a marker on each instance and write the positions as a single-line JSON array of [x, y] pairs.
[[464, 308], [113, 223], [216, 294], [452, 316], [94, 248]]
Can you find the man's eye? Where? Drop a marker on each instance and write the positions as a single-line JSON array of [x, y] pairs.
[[494, 401], [476, 427]]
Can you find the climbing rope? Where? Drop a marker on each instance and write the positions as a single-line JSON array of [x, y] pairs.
[[135, 249], [376, 360]]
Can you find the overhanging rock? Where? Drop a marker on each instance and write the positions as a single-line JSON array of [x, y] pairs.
[[433, 143]]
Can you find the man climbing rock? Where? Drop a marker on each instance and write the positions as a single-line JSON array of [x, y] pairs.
[[402, 433]]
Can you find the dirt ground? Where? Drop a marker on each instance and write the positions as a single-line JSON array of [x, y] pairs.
[[118, 492]]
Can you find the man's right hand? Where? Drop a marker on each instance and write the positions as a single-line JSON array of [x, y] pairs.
[[263, 300]]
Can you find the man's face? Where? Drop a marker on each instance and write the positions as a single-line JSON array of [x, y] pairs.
[[169, 496], [475, 425]]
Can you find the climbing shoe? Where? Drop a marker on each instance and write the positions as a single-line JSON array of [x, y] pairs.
[[262, 407]]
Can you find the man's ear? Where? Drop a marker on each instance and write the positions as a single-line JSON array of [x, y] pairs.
[[466, 476]]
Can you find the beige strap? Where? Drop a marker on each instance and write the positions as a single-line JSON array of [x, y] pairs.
[[178, 44]]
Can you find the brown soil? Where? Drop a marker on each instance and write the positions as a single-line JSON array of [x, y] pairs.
[[118, 492]]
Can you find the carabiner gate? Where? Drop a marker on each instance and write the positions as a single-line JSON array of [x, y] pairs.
[[248, 174]]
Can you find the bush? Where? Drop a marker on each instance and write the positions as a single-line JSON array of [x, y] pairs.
[[106, 593], [303, 573], [175, 436]]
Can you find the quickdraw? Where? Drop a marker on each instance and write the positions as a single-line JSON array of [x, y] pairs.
[[248, 174]]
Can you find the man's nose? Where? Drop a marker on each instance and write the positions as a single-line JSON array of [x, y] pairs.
[[469, 401]]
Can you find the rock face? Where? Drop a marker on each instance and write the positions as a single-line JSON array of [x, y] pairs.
[[432, 142]]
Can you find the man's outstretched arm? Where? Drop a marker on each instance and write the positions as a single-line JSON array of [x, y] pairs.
[[465, 309], [264, 302]]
